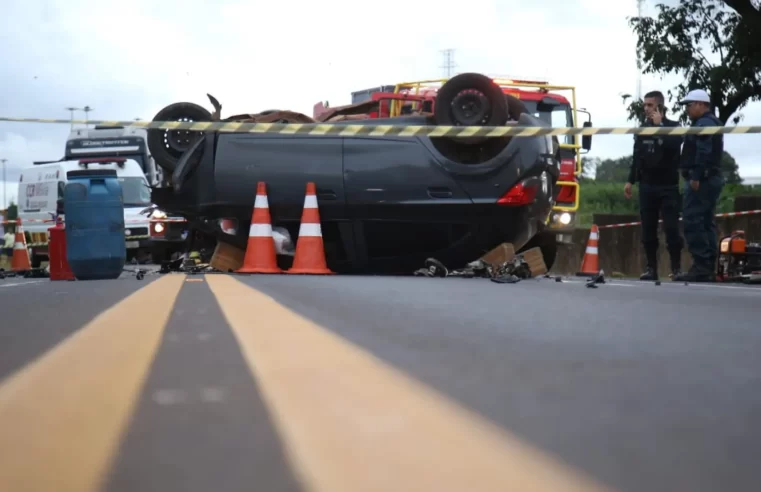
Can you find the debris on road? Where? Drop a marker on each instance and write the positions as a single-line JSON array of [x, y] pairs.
[[597, 279], [500, 265]]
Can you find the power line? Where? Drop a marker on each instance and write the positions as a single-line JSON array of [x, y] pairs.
[[449, 63]]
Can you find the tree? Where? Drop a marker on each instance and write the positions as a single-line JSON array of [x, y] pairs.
[[11, 214], [588, 167], [730, 169], [670, 44], [613, 170], [749, 10]]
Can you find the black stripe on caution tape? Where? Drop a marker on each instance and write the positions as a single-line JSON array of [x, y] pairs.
[[354, 130]]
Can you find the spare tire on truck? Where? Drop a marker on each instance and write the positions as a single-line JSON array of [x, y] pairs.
[[470, 99], [167, 146]]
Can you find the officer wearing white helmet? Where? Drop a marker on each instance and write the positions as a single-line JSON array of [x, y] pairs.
[[701, 168]]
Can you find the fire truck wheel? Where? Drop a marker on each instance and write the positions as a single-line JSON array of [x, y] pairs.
[[167, 146], [470, 99]]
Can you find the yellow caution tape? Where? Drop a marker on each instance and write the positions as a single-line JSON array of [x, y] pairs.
[[354, 130]]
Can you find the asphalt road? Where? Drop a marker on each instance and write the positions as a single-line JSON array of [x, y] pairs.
[[284, 383]]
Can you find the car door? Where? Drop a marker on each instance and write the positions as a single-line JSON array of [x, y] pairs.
[[403, 199], [285, 163]]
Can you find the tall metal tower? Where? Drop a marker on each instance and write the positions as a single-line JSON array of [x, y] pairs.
[[449, 63], [640, 5]]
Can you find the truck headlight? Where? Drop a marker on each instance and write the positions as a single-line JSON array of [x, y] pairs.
[[158, 214], [562, 218], [159, 228]]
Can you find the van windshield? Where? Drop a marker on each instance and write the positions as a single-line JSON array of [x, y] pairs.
[[135, 192]]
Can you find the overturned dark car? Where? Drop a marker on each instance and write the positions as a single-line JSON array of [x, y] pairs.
[[386, 203]]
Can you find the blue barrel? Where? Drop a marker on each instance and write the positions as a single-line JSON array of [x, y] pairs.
[[94, 217]]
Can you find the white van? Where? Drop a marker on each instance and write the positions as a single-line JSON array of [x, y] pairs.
[[42, 185]]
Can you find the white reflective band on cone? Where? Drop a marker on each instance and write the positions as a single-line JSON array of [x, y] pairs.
[[310, 230], [594, 236], [261, 201], [310, 201], [591, 250], [260, 230], [18, 246]]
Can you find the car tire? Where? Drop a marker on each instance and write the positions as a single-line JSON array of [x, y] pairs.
[[475, 88], [167, 146]]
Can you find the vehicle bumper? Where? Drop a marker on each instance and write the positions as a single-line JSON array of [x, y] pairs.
[[137, 242]]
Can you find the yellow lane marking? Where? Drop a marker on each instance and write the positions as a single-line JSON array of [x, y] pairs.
[[62, 416], [350, 422]]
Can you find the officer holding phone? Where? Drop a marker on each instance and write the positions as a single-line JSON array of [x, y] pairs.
[[655, 166]]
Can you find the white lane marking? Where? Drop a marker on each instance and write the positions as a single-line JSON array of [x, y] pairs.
[[169, 396], [213, 394], [24, 283]]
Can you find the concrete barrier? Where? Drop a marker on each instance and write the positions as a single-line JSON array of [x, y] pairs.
[[620, 248]]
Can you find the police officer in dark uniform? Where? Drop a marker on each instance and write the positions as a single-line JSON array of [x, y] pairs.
[[655, 165], [701, 169]]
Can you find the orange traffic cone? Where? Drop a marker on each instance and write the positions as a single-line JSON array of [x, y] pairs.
[[310, 250], [260, 251], [590, 265], [57, 261], [20, 261]]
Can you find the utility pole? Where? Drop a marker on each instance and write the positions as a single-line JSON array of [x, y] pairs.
[[71, 111], [449, 63], [87, 110], [5, 189]]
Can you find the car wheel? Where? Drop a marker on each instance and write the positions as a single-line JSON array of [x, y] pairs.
[[167, 146]]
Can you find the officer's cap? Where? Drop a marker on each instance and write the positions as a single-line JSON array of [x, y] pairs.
[[696, 95]]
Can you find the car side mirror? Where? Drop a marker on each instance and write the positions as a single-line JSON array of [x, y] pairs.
[[59, 206], [586, 140]]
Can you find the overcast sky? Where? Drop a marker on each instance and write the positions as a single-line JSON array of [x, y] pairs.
[[129, 59]]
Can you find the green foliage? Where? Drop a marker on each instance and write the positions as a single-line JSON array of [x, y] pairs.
[[608, 198], [11, 214], [730, 169], [614, 170], [604, 198], [605, 193], [670, 44]]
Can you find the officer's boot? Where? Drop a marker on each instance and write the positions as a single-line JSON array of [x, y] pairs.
[[651, 270]]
